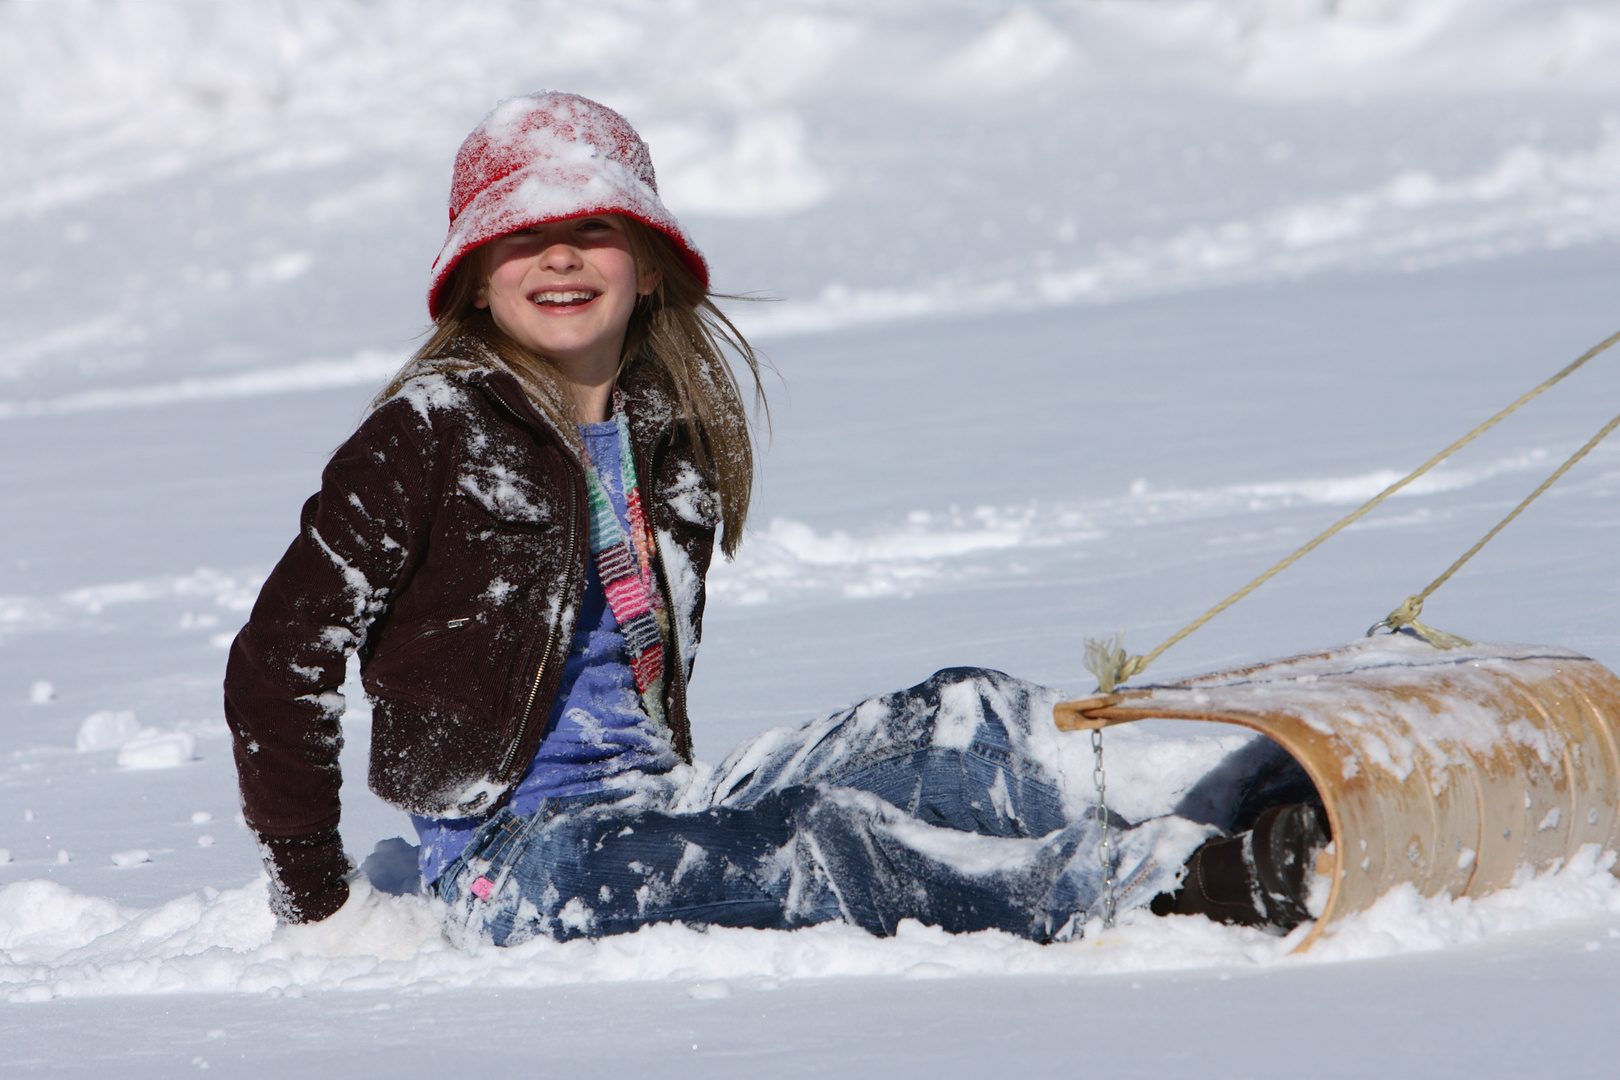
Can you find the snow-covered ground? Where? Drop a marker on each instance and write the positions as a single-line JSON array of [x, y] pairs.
[[1090, 311]]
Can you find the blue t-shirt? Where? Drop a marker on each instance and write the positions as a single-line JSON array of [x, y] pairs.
[[598, 728]]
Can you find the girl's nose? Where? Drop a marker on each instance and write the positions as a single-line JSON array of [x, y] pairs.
[[561, 259]]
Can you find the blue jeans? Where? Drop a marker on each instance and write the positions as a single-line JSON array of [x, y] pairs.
[[926, 804]]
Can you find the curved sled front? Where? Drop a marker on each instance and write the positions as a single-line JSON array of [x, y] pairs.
[[1450, 770]]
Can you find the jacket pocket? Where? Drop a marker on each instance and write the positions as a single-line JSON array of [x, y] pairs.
[[505, 497], [434, 756], [422, 634]]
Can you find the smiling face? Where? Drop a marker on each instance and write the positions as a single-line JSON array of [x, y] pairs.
[[565, 290]]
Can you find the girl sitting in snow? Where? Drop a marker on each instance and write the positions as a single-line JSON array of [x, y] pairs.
[[515, 541]]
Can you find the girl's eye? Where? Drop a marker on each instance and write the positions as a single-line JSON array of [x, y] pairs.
[[593, 226]]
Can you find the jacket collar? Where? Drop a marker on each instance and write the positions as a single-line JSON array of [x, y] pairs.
[[646, 404], [507, 393]]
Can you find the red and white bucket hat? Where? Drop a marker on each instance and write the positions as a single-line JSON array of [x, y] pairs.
[[545, 157]]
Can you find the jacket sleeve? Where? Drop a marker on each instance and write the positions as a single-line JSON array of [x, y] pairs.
[[357, 537]]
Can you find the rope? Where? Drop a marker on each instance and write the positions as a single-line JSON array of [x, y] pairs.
[[1412, 606], [1108, 660]]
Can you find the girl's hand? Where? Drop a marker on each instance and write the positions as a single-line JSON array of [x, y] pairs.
[[369, 923], [308, 876]]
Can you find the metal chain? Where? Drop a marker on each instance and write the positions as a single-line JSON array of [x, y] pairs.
[[1105, 852]]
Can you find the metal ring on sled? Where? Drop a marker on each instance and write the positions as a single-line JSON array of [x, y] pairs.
[[1451, 770]]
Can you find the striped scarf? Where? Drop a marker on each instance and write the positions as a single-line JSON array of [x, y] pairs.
[[626, 566]]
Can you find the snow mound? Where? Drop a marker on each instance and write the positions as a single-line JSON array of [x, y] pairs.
[[106, 730], [138, 747], [157, 750], [935, 550], [58, 943]]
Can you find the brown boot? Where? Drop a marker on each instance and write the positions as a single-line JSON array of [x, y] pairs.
[[1286, 841], [1219, 883], [1256, 877]]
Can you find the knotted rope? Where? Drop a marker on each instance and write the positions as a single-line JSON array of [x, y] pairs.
[[1407, 614], [1108, 660]]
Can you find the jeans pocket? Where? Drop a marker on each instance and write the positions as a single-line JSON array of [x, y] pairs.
[[483, 861]]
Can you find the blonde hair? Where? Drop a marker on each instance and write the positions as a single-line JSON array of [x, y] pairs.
[[677, 333]]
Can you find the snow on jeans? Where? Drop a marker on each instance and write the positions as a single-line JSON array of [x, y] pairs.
[[932, 803]]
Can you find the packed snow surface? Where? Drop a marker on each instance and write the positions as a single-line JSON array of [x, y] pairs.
[[58, 943], [1088, 311]]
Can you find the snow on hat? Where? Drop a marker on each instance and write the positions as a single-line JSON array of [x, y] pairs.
[[545, 157]]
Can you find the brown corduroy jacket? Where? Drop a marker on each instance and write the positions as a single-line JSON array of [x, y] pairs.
[[448, 545]]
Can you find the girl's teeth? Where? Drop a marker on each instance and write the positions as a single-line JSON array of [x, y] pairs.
[[562, 297]]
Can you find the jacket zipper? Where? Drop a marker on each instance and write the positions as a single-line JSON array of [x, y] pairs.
[[675, 638], [551, 641], [503, 773]]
